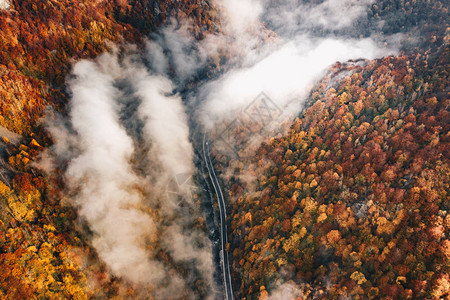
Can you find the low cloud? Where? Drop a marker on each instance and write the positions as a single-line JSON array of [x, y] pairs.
[[4, 4], [118, 170], [240, 16], [286, 75], [174, 52], [166, 126], [290, 17], [286, 291], [128, 133], [298, 43], [107, 197]]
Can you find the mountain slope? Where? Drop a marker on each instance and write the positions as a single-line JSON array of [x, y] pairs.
[[355, 200], [44, 251]]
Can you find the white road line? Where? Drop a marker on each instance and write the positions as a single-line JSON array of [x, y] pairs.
[[223, 235]]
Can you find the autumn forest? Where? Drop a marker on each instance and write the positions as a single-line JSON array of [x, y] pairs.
[[347, 198]]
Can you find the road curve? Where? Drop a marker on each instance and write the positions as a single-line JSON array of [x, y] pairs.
[[223, 225]]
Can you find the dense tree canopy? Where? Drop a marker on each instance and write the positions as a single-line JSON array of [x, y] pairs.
[[44, 251], [356, 201]]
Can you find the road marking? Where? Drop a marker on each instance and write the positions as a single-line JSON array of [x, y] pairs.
[[223, 228]]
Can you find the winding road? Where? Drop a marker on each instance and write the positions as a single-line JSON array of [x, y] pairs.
[[223, 225]]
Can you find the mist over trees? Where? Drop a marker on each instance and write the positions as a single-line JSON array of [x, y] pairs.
[[355, 200], [350, 201]]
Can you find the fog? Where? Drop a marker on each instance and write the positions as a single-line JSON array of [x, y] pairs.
[[128, 137], [4, 4], [307, 39], [119, 170], [285, 75]]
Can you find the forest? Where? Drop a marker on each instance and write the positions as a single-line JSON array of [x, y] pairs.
[[44, 250], [351, 203], [354, 202]]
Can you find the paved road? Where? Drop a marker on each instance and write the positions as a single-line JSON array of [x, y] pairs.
[[223, 225]]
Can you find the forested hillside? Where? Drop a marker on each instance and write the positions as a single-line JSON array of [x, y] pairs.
[[43, 249], [355, 201]]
